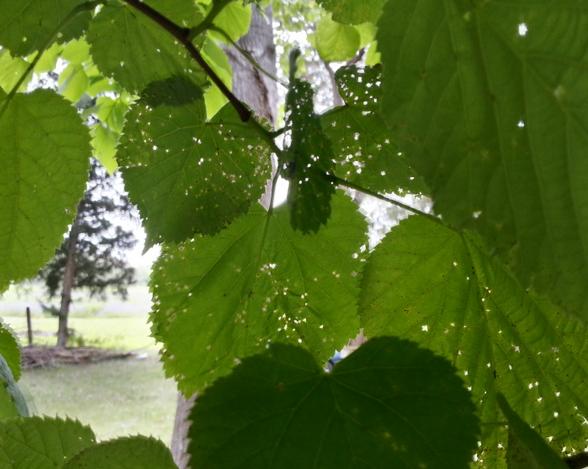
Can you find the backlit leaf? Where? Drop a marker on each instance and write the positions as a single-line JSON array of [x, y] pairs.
[[187, 175], [131, 48], [26, 25], [526, 449], [11, 69], [44, 155], [361, 141], [234, 19], [430, 284], [488, 100], [218, 299], [335, 42]]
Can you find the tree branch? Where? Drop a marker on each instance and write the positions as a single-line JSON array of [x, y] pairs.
[[183, 36]]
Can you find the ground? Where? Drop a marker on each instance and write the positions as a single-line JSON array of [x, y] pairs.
[[121, 397], [116, 398]]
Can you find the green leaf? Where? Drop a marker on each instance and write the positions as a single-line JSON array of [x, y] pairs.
[[36, 442], [9, 349], [217, 59], [218, 299], [389, 404], [104, 142], [309, 159], [124, 453], [187, 175], [335, 42], [373, 56], [234, 19], [367, 33], [360, 139], [12, 402], [76, 52], [11, 69], [526, 449], [488, 101], [354, 11], [73, 82], [44, 155], [26, 25], [48, 61], [428, 283], [111, 112], [134, 50]]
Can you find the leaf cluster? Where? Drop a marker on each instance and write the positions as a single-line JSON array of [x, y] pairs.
[[475, 313]]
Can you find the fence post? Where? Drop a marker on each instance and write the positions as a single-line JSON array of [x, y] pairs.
[[29, 327]]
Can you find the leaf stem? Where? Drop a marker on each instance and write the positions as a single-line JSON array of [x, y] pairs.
[[70, 16], [351, 185], [183, 35]]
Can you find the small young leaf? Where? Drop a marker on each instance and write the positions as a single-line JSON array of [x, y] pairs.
[[124, 453], [234, 19], [11, 69], [218, 299], [104, 143], [389, 404], [73, 82], [428, 283], [187, 175], [44, 155], [336, 42], [526, 449], [41, 442]]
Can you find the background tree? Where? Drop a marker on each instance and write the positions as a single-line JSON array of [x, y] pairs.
[[92, 256]]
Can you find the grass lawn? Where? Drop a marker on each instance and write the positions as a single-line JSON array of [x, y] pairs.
[[116, 398], [122, 333]]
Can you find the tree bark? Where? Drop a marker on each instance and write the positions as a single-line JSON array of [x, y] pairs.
[[260, 94], [69, 277]]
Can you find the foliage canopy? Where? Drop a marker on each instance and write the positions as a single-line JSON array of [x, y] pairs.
[[476, 312]]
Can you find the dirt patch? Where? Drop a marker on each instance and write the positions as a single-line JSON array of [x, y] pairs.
[[42, 357]]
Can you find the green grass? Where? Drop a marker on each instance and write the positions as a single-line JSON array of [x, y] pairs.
[[116, 398], [121, 333]]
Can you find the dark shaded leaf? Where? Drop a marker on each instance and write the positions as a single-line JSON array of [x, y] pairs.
[[389, 404]]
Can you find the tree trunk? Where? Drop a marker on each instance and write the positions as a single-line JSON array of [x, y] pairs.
[[261, 94], [69, 277]]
